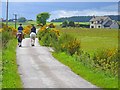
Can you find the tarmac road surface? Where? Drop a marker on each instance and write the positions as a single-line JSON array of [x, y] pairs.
[[39, 69]]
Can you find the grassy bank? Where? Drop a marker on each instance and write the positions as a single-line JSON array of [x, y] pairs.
[[11, 78], [97, 78]]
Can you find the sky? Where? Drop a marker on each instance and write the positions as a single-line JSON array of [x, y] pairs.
[[61, 0], [60, 9]]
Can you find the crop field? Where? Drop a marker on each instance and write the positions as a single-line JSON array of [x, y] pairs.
[[94, 39]]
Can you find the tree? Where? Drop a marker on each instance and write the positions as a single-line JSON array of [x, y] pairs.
[[65, 24], [22, 19], [42, 18], [72, 24]]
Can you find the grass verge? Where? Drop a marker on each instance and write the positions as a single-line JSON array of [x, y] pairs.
[[11, 78], [97, 78], [0, 69]]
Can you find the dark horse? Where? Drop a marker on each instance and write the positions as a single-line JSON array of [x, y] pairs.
[[20, 37]]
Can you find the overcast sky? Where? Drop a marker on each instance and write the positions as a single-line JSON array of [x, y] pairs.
[[60, 9], [61, 0]]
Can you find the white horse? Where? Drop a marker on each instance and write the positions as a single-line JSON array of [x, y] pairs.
[[32, 37]]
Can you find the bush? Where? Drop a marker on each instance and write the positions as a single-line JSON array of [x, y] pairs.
[[48, 36], [51, 25], [102, 60], [7, 34], [71, 24], [84, 26], [64, 24], [68, 44], [85, 58], [73, 47], [107, 60], [27, 29], [62, 42]]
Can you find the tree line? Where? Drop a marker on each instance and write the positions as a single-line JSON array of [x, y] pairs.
[[83, 18]]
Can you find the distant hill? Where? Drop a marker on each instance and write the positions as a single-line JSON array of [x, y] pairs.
[[82, 18]]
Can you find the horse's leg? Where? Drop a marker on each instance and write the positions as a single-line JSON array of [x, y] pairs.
[[20, 44], [32, 41], [20, 41]]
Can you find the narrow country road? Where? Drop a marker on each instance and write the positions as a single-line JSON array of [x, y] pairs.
[[39, 69]]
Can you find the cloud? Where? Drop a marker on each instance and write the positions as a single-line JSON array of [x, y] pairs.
[[110, 8], [106, 10], [64, 13]]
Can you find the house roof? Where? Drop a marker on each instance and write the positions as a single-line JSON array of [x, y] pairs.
[[99, 18], [107, 24]]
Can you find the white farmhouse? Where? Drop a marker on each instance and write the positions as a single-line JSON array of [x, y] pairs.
[[103, 22]]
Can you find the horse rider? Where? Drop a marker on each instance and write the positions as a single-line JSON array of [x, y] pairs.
[[20, 28], [33, 34], [20, 35]]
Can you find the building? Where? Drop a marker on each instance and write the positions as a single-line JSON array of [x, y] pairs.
[[103, 22]]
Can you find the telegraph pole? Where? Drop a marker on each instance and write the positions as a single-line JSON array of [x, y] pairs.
[[7, 14], [15, 20]]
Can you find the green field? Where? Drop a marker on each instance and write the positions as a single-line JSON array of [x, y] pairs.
[[94, 39], [55, 23], [58, 23], [24, 23]]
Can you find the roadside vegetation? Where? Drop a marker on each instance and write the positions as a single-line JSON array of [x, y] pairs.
[[90, 53], [10, 75], [96, 77], [0, 70]]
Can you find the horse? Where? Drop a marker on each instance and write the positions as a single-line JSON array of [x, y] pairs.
[[20, 37], [32, 37]]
